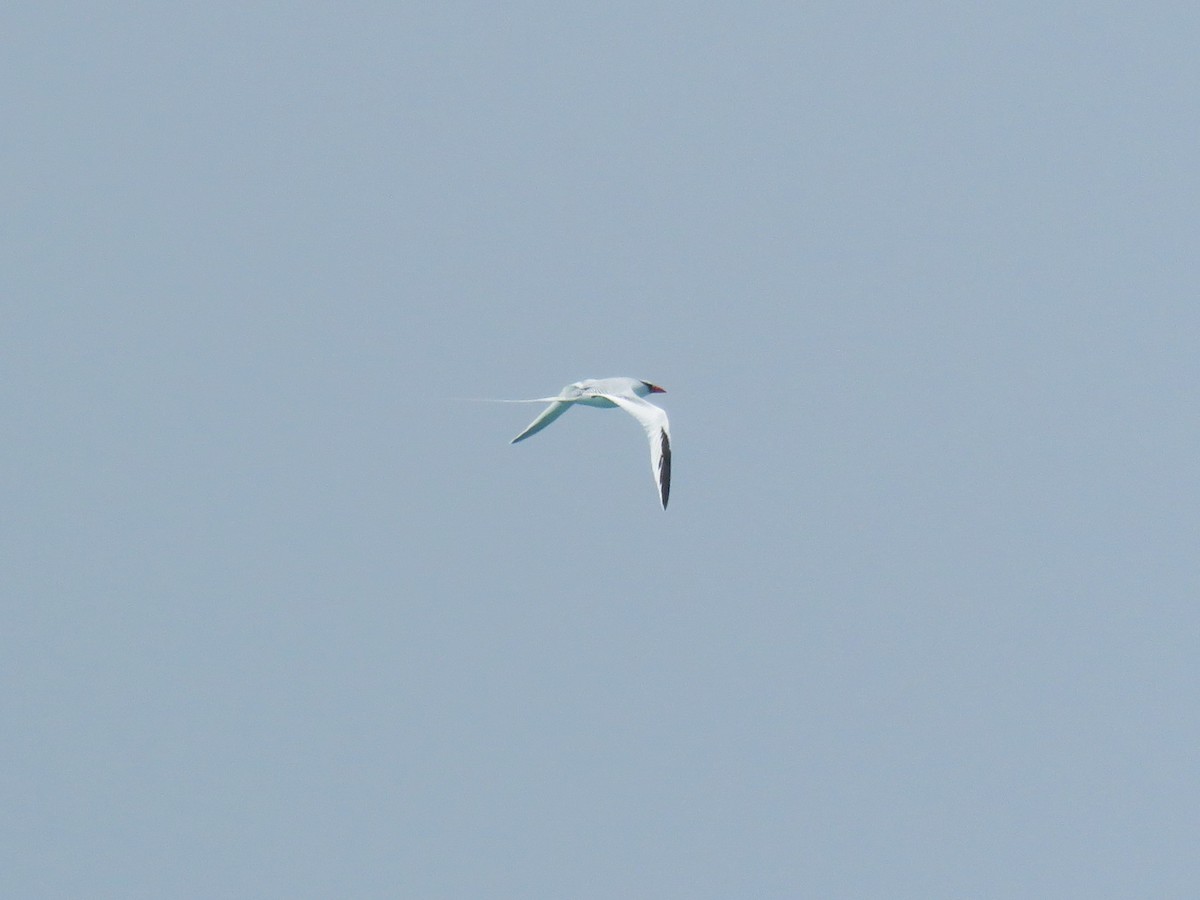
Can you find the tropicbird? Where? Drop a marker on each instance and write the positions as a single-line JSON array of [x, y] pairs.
[[607, 393]]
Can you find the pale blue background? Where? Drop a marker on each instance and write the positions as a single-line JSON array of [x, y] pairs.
[[284, 618]]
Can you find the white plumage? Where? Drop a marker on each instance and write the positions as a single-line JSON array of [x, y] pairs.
[[627, 393]]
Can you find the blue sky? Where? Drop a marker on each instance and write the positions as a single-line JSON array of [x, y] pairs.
[[283, 616]]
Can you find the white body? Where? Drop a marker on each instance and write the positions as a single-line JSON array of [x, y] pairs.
[[607, 393]]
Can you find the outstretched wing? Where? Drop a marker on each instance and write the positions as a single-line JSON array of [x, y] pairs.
[[548, 415], [658, 430]]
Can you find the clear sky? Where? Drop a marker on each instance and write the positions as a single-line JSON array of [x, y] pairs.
[[283, 617]]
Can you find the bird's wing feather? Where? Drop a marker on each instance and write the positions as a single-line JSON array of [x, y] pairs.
[[654, 420], [556, 408]]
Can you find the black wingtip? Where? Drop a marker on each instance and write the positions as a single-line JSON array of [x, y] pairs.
[[664, 469]]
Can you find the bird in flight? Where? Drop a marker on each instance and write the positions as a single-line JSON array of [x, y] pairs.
[[608, 393]]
